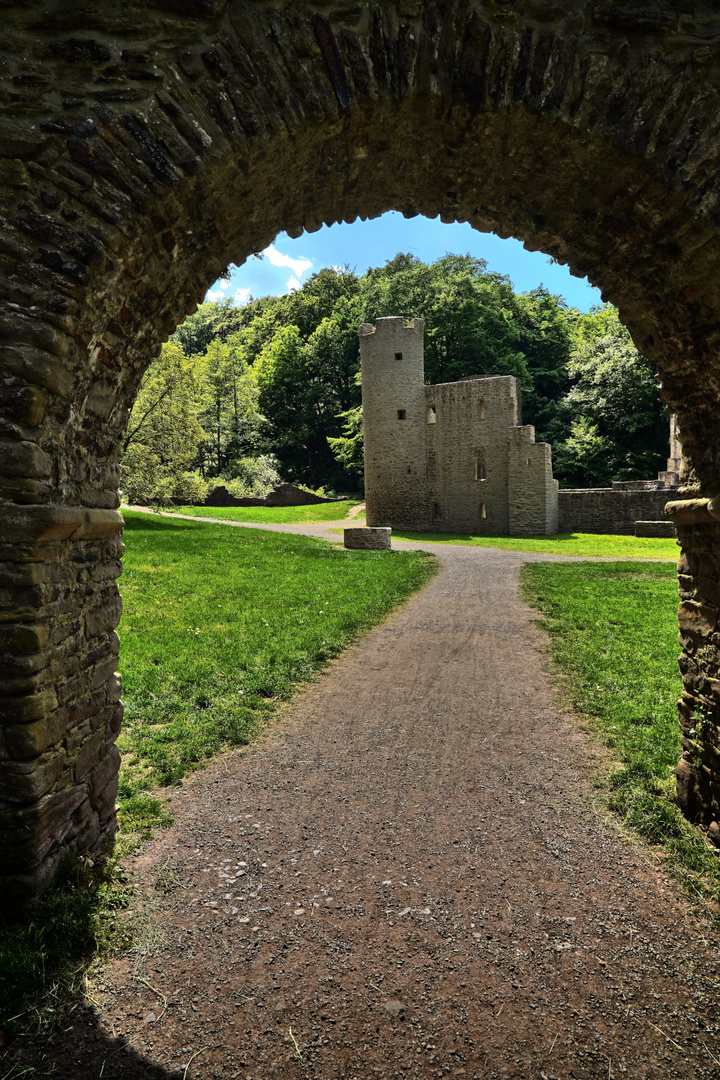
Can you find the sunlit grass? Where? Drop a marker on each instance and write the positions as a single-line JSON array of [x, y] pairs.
[[613, 631], [272, 515], [220, 626], [579, 545]]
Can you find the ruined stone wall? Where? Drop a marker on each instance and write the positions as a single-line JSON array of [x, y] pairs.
[[610, 510], [144, 147], [532, 491], [467, 451]]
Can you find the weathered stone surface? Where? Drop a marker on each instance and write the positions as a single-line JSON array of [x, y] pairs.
[[609, 510], [368, 539], [689, 512], [27, 781], [45, 524], [655, 528], [104, 617], [452, 457], [589, 130], [697, 618]]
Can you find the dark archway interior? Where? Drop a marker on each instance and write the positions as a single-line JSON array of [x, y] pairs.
[[143, 154]]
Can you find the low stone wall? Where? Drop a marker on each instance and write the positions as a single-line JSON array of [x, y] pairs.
[[282, 495], [655, 529], [611, 510], [368, 539]]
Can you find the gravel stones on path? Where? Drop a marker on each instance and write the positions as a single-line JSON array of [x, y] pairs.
[[406, 878]]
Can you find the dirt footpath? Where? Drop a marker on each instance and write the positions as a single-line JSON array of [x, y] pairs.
[[407, 878]]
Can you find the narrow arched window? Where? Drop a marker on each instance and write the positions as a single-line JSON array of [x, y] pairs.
[[480, 472]]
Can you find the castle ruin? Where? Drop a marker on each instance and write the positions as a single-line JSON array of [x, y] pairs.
[[452, 457]]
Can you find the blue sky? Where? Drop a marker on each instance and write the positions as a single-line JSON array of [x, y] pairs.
[[287, 263]]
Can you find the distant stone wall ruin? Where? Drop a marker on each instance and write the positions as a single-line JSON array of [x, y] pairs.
[[450, 457], [611, 510]]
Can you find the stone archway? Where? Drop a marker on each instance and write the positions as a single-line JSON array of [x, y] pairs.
[[143, 148]]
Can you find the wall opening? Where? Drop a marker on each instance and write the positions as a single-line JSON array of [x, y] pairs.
[[401, 414], [483, 513], [431, 414], [398, 356], [480, 471], [481, 409]]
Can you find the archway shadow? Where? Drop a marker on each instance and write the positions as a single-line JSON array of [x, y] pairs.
[[81, 1050]]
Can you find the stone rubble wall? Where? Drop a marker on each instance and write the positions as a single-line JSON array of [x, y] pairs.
[[610, 510], [657, 529], [281, 495], [469, 441], [533, 493], [143, 150]]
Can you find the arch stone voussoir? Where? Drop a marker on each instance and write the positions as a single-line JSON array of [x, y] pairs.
[[142, 149]]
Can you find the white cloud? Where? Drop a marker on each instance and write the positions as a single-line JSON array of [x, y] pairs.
[[242, 296], [293, 284], [298, 266], [219, 288]]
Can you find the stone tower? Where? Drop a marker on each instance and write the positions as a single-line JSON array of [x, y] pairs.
[[393, 381], [452, 457]]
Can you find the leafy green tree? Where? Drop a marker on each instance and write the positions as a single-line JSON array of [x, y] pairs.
[[304, 385], [164, 434], [230, 413], [545, 338], [618, 424], [470, 314]]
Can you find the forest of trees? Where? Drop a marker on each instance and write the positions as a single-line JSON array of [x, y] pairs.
[[248, 395]]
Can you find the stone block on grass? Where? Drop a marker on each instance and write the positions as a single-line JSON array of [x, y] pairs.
[[368, 539]]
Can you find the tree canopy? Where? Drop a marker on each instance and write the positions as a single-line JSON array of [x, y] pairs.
[[276, 381]]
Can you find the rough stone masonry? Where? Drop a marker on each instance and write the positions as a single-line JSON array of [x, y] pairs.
[[143, 147], [451, 457]]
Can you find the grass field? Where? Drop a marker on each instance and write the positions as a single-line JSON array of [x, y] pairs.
[[272, 515], [580, 545], [613, 631], [220, 625]]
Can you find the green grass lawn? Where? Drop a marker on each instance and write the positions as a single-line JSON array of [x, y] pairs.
[[272, 515], [220, 625], [613, 631], [582, 545]]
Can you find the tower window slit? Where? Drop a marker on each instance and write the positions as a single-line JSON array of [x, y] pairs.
[[480, 471], [401, 414]]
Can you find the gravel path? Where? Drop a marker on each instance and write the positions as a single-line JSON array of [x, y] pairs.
[[406, 877]]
